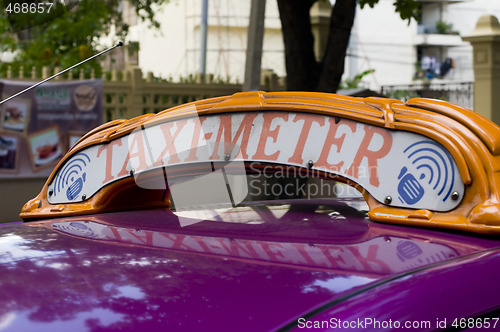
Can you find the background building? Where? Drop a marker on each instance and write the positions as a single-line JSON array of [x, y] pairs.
[[175, 52], [429, 50], [398, 52]]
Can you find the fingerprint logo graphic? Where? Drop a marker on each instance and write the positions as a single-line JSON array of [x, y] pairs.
[[409, 189], [72, 177], [433, 169]]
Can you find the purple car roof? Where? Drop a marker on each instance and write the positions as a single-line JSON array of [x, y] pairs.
[[261, 266]]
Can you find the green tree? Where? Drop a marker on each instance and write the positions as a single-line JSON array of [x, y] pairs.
[[69, 38], [304, 73]]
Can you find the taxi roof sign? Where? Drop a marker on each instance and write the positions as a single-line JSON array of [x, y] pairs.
[[425, 162]]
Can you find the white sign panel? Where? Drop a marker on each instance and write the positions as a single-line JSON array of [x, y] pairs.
[[412, 169]]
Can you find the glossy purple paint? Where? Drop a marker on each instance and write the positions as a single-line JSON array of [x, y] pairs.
[[431, 299], [257, 272]]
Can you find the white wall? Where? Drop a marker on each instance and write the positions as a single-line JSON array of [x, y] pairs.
[[385, 44], [162, 52]]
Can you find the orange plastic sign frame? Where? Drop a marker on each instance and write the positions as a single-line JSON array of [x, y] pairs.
[[464, 143]]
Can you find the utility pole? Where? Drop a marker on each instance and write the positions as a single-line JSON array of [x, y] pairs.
[[203, 40], [254, 45]]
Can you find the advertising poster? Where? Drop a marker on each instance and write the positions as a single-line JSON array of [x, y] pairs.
[[39, 126], [9, 145]]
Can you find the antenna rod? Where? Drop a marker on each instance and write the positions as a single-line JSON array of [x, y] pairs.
[[65, 70]]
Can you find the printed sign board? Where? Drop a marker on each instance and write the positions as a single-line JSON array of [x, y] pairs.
[[43, 121], [415, 171]]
